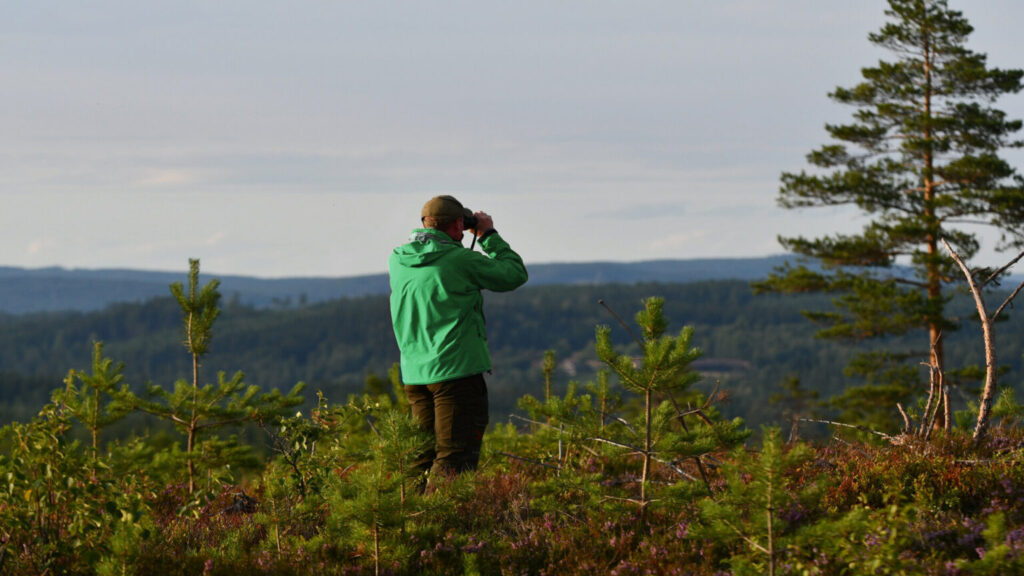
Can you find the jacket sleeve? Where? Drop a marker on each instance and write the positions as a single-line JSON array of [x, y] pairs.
[[503, 271]]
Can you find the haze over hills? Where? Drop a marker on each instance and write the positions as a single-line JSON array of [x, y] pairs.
[[25, 290]]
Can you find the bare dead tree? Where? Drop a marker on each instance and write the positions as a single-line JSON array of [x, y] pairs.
[[988, 334]]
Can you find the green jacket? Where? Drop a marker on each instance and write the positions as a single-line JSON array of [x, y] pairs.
[[436, 305]]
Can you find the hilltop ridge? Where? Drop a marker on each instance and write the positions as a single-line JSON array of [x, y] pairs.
[[27, 290]]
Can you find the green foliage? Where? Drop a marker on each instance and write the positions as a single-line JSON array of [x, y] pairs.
[[1007, 412], [197, 410], [566, 437], [337, 497], [660, 432], [745, 515], [62, 511], [373, 507], [666, 361], [98, 401], [199, 309]]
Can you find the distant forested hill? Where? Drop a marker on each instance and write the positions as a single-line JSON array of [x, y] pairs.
[[55, 289], [59, 289], [751, 343]]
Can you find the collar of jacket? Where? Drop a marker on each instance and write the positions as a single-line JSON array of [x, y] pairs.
[[427, 234]]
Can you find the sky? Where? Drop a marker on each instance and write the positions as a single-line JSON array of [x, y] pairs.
[[301, 138]]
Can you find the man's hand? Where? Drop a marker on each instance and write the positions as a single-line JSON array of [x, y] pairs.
[[484, 223]]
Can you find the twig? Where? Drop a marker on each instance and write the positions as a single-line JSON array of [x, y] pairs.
[[938, 385], [631, 500], [888, 437], [934, 391], [624, 325], [1003, 269], [748, 540], [530, 460], [850, 446], [620, 445], [625, 423], [282, 448], [906, 419], [374, 428], [700, 414], [1008, 299], [641, 451], [985, 462], [529, 421]]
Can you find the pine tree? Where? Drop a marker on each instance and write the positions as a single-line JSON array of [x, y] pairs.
[[374, 501], [920, 158], [746, 513], [197, 409], [661, 377], [97, 402]]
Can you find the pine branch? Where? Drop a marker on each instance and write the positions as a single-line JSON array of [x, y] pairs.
[[908, 282], [221, 423]]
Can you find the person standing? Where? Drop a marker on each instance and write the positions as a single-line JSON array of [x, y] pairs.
[[438, 320]]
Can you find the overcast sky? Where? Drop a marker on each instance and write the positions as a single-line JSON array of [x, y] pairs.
[[301, 138]]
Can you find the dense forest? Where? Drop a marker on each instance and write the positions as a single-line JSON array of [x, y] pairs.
[[750, 343]]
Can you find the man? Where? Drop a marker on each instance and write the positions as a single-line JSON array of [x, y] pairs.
[[437, 314]]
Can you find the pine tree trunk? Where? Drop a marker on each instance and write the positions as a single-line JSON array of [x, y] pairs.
[[193, 426], [376, 549], [938, 359], [771, 534], [647, 454]]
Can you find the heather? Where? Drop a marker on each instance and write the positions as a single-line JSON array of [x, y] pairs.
[[333, 500]]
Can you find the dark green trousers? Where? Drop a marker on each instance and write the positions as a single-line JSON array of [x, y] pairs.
[[455, 412]]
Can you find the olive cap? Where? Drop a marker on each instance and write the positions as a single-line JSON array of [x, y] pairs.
[[444, 208]]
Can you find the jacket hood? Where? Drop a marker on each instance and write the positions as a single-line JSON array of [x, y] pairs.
[[425, 247]]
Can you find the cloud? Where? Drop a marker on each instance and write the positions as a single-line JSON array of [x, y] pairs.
[[642, 211], [165, 178], [216, 238], [679, 240]]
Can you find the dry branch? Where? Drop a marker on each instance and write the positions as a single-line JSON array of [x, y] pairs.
[[987, 395]]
